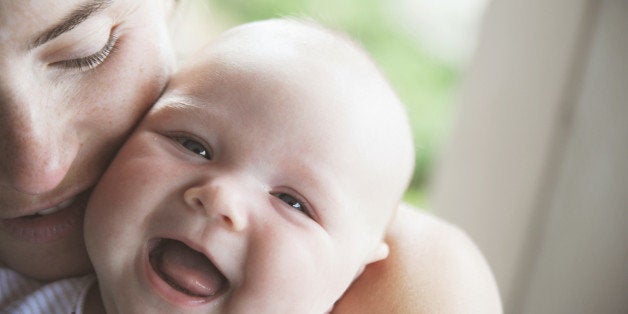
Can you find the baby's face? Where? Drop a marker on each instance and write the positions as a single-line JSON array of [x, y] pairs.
[[242, 191]]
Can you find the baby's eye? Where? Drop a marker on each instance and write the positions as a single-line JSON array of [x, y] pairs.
[[193, 146], [293, 202]]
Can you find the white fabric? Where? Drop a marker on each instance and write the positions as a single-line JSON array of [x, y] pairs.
[[22, 295]]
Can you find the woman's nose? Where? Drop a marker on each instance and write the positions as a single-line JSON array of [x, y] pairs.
[[37, 143], [218, 202]]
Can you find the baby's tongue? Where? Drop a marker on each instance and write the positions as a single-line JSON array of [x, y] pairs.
[[189, 270]]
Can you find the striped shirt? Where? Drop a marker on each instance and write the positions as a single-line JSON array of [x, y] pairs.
[[22, 295]]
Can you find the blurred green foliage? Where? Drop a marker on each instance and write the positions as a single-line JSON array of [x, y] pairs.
[[424, 83]]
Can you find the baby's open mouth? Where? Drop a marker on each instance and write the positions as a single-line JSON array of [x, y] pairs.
[[186, 270]]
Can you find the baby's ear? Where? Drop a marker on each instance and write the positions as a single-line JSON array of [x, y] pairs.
[[380, 253]]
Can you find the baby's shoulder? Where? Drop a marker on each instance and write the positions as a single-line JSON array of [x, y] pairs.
[[433, 267], [439, 265]]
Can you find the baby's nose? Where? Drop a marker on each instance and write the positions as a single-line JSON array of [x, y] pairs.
[[218, 202]]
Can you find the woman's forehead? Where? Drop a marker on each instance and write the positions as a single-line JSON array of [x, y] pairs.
[[37, 14], [36, 22]]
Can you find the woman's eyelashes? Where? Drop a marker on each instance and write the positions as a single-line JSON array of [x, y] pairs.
[[294, 202], [92, 61], [193, 146]]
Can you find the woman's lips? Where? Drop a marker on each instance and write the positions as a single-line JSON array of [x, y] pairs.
[[49, 224], [63, 205]]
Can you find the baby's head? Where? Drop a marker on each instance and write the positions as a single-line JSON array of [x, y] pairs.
[[262, 181]]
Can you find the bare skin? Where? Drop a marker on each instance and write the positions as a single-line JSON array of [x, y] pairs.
[[76, 77], [402, 282], [234, 136], [433, 267]]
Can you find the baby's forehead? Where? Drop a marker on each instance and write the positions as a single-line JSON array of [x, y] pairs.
[[295, 85]]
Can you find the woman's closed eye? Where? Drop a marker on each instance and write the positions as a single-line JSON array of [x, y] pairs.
[[294, 202], [193, 146], [93, 60]]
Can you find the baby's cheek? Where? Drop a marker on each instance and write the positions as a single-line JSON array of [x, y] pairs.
[[107, 212], [299, 267]]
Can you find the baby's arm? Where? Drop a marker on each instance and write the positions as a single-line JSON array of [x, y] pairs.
[[433, 267]]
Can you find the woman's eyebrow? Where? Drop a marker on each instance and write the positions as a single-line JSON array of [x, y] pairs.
[[78, 16]]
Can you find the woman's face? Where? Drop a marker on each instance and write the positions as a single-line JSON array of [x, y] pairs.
[[75, 76]]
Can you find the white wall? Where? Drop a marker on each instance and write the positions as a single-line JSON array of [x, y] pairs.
[[536, 169]]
